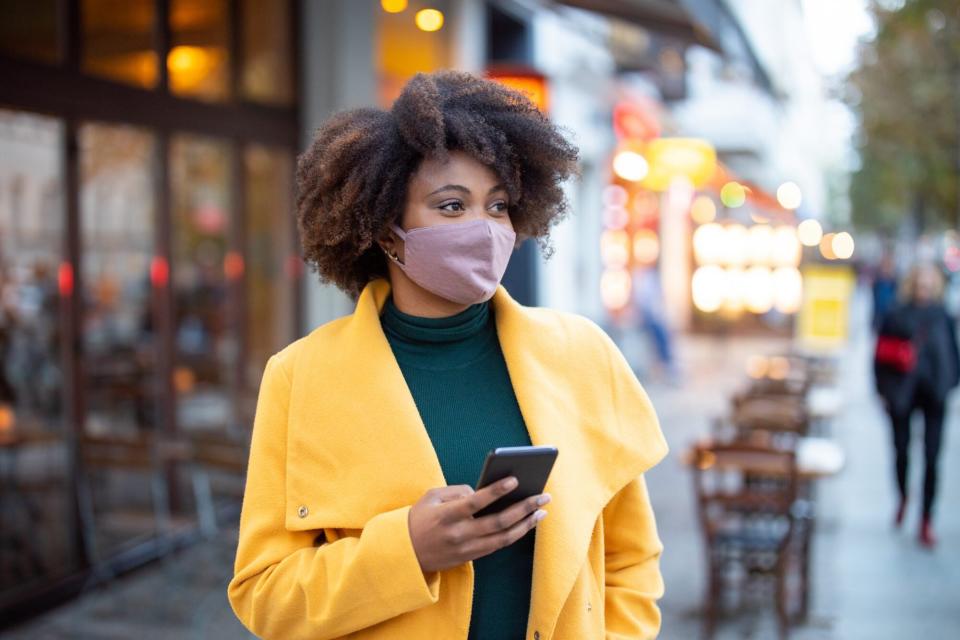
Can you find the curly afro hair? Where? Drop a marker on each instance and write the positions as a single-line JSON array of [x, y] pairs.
[[352, 180]]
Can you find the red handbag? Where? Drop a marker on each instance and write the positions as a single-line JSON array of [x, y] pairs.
[[897, 353]]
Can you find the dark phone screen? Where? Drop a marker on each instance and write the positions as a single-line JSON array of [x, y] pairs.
[[530, 465]]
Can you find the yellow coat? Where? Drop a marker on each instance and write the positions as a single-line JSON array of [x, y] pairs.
[[339, 453]]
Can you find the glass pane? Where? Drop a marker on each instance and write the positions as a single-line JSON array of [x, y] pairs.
[[117, 232], [269, 250], [28, 28], [266, 51], [206, 349], [35, 528], [199, 59], [118, 40]]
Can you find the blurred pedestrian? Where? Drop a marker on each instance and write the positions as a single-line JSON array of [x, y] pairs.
[[884, 290], [916, 365], [358, 512], [652, 311]]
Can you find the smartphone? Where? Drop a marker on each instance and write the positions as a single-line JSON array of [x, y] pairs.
[[529, 465]]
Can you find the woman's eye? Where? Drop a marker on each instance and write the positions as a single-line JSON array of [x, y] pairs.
[[453, 205], [500, 207]]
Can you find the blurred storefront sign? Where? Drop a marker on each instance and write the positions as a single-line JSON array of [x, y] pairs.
[[527, 81], [823, 322]]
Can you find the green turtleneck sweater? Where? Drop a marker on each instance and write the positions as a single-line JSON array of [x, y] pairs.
[[459, 381]]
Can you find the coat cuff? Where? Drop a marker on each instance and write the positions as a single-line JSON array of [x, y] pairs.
[[399, 578]]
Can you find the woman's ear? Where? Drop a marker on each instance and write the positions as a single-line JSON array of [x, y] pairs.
[[388, 243]]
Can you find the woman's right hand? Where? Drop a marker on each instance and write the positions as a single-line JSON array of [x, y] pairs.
[[445, 533]]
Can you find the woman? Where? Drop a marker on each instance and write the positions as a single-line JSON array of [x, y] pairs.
[[357, 517], [917, 365]]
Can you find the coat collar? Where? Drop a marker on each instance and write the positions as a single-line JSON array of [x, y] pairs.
[[357, 445]]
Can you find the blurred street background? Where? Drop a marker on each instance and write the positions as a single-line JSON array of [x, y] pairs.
[[756, 179]]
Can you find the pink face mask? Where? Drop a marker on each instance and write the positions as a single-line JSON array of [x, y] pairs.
[[462, 261]]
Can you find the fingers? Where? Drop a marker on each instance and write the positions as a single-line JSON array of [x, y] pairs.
[[488, 495], [479, 547], [450, 493], [505, 519]]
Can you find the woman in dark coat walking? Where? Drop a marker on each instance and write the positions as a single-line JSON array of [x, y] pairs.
[[916, 365]]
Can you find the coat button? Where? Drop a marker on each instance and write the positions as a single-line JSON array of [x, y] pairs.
[[536, 635], [302, 511], [589, 607]]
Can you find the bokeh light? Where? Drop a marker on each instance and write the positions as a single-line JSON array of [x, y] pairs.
[[393, 6], [709, 287], [630, 165], [703, 210], [757, 367], [733, 195], [826, 246], [789, 195], [615, 217], [842, 245], [786, 250], [760, 243], [810, 232], [615, 287], [787, 289], [429, 20], [734, 245], [758, 289], [615, 248], [614, 196], [708, 243], [646, 246]]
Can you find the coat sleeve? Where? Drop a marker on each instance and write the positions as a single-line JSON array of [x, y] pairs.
[[286, 587], [633, 579]]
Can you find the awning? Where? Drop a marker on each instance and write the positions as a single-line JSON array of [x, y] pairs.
[[667, 17]]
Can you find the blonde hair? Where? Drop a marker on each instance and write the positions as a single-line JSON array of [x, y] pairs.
[[907, 291]]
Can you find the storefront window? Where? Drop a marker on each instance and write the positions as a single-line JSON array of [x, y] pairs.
[[270, 274], [199, 58], [118, 40], [35, 528], [205, 345], [28, 29], [117, 219], [266, 75]]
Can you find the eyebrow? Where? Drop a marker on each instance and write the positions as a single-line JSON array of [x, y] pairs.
[[463, 189]]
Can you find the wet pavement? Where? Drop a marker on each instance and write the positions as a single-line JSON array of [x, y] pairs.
[[869, 581]]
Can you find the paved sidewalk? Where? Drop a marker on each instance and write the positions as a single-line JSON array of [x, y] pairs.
[[870, 582]]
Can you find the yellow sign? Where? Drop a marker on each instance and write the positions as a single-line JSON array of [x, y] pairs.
[[824, 321], [669, 158]]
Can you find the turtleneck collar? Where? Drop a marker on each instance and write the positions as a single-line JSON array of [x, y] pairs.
[[459, 326], [438, 344]]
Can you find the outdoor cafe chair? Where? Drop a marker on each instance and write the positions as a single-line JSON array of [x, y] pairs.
[[753, 530]]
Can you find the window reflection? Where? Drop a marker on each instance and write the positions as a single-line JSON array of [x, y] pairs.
[[28, 29], [117, 214], [35, 532], [266, 51], [270, 303], [206, 349], [118, 40], [198, 62]]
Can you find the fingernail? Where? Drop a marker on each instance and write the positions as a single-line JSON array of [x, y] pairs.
[[511, 483], [543, 499], [539, 515]]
